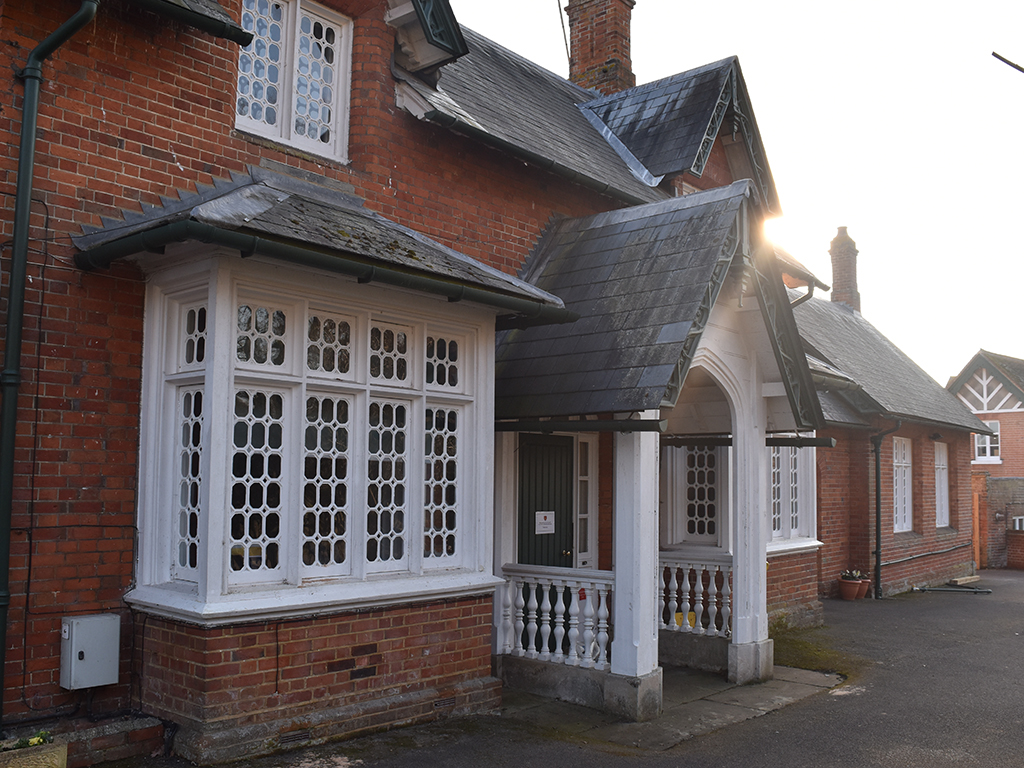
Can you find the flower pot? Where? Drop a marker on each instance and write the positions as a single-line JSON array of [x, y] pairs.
[[848, 589], [865, 587], [42, 756]]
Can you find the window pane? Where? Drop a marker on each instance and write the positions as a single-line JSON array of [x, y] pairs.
[[441, 483], [325, 485]]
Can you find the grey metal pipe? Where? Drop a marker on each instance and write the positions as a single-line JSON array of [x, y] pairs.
[[10, 377], [876, 445]]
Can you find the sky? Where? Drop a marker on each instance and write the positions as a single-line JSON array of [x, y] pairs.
[[892, 119]]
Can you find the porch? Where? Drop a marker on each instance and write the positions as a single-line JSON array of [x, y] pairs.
[[555, 631]]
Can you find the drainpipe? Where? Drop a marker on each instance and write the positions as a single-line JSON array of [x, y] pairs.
[[10, 377], [876, 446]]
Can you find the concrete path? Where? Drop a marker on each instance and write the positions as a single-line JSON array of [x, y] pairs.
[[938, 685]]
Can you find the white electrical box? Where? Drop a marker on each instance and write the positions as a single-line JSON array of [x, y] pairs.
[[89, 650]]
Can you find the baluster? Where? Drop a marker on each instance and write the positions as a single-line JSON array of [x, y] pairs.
[[712, 601], [507, 625], [574, 623], [531, 620], [559, 655], [726, 603], [602, 627], [589, 611], [673, 603], [685, 599], [518, 638], [545, 622], [698, 599]]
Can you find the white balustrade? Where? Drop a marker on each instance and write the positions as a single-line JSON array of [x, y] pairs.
[[701, 589], [559, 615]]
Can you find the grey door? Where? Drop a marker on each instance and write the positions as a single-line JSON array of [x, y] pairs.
[[545, 486]]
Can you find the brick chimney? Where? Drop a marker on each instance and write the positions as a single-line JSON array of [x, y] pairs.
[[844, 270], [599, 41]]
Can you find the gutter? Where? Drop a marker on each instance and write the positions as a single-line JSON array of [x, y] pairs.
[[523, 312], [10, 377], [216, 27]]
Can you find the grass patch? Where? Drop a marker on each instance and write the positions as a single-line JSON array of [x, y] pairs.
[[809, 649]]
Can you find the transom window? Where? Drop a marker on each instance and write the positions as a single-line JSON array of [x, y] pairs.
[[293, 77]]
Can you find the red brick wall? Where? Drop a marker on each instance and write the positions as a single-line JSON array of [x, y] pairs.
[[1015, 550], [1011, 445], [846, 510], [399, 664], [793, 589]]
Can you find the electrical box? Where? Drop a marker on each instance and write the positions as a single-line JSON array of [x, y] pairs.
[[89, 650]]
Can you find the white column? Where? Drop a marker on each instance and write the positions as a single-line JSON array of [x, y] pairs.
[[750, 654], [634, 604]]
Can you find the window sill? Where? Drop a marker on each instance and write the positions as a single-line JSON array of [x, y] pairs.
[[987, 461], [181, 601], [793, 546]]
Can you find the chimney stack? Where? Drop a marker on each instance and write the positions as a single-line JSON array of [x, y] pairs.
[[844, 270], [599, 43]]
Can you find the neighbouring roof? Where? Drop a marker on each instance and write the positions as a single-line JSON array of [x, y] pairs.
[[1010, 370], [638, 278], [886, 378], [325, 223]]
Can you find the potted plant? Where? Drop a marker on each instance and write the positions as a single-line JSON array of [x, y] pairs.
[[865, 586], [37, 751], [849, 584]]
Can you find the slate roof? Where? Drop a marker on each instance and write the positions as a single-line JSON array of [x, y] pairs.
[[637, 277], [841, 337], [287, 209], [663, 123], [1009, 369], [501, 97]]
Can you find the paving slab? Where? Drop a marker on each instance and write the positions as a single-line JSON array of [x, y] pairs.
[[807, 677], [678, 724], [766, 696]]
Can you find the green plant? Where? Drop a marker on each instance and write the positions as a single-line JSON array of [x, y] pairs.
[[40, 737]]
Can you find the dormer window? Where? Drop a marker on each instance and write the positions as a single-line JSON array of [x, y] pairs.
[[293, 78]]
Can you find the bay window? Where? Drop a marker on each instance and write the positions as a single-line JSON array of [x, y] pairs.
[[300, 439]]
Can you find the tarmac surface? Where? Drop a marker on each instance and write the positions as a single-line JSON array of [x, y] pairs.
[[936, 681]]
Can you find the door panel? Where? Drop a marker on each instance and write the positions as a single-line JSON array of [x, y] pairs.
[[546, 482]]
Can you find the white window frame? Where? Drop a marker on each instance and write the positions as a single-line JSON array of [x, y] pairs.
[[792, 498], [585, 497], [902, 484], [673, 501], [986, 447], [289, 85], [214, 592], [941, 485]]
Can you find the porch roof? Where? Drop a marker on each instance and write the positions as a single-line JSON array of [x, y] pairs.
[[639, 279]]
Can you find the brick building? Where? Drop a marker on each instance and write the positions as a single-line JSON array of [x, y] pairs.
[[258, 413], [992, 386], [895, 429]]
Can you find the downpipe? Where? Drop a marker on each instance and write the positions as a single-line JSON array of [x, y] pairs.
[[876, 446], [10, 376]]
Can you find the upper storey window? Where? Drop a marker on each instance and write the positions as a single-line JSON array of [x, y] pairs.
[[293, 78]]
